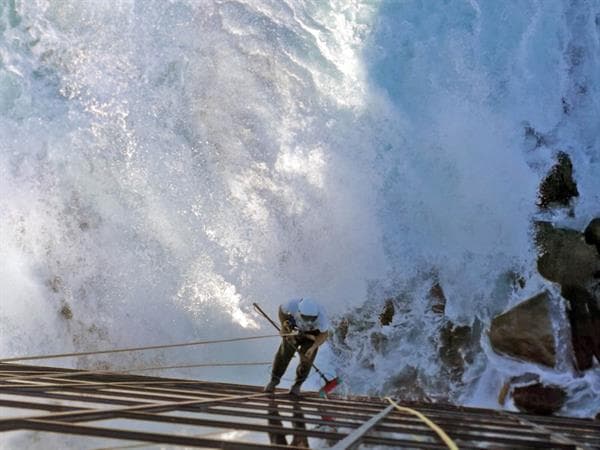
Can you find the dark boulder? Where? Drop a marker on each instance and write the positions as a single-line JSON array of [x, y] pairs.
[[584, 318], [592, 233], [539, 399], [458, 346], [387, 315], [525, 332], [437, 299], [408, 384], [565, 258], [66, 311], [526, 378], [558, 187]]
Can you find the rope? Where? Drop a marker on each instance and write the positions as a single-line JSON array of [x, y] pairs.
[[111, 372], [441, 433], [186, 366], [132, 349]]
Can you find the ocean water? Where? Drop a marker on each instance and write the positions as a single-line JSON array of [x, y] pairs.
[[165, 164]]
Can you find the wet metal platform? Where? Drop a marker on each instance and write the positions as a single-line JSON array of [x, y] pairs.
[[132, 411]]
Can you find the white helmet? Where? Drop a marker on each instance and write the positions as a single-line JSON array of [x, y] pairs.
[[308, 312]]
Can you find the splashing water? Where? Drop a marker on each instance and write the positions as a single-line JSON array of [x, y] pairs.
[[165, 164]]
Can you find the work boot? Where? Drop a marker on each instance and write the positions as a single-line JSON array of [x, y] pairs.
[[271, 386], [295, 389]]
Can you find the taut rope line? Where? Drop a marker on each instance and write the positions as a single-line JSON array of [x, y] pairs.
[[132, 349], [117, 372]]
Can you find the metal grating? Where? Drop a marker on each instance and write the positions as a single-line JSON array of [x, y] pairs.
[[228, 416]]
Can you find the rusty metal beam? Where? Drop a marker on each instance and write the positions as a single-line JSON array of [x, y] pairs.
[[143, 399], [163, 438], [354, 438]]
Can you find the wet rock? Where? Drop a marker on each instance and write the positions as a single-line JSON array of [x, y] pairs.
[[565, 258], [592, 234], [438, 299], [387, 315], [558, 188], [584, 318], [503, 393], [406, 384], [66, 311], [571, 259], [457, 348], [525, 332], [342, 329], [379, 341], [539, 398], [517, 280], [526, 378]]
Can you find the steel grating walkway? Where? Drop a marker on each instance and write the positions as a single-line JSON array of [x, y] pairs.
[[202, 414]]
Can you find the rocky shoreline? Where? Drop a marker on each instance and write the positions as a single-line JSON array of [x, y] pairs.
[[569, 261]]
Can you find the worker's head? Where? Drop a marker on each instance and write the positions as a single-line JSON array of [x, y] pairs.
[[308, 313]]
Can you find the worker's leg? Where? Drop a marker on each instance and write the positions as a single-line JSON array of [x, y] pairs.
[[305, 365], [282, 359]]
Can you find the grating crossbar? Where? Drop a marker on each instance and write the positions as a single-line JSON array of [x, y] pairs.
[[203, 414]]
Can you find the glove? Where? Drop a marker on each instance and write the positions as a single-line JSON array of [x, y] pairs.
[[287, 327]]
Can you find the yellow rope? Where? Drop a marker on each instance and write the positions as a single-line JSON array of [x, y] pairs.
[[443, 436], [132, 349], [12, 378]]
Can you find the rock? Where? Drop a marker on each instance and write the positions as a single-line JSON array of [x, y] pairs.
[[406, 384], [517, 280], [503, 393], [594, 308], [379, 341], [539, 399], [342, 329], [387, 315], [558, 187], [568, 258], [66, 311], [526, 378], [525, 332], [592, 233], [438, 299], [565, 258], [584, 318], [457, 347]]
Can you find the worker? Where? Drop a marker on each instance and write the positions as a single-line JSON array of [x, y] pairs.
[[304, 327]]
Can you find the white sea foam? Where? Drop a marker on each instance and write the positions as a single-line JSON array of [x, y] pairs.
[[165, 164]]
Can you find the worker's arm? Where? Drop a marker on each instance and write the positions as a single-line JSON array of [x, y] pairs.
[[319, 340], [286, 320]]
